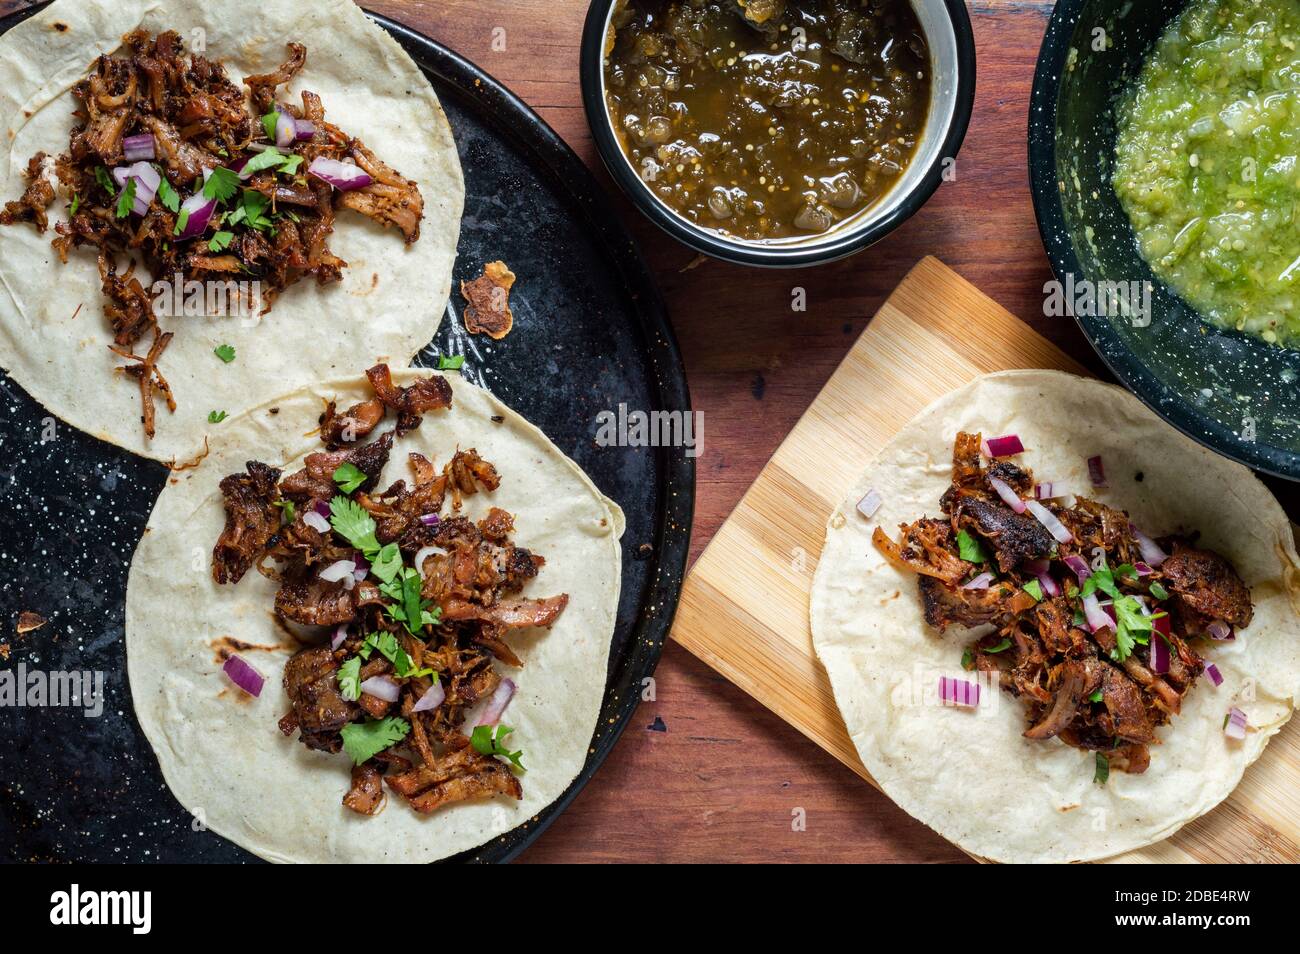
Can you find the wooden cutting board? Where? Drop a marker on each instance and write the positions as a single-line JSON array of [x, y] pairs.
[[744, 606]]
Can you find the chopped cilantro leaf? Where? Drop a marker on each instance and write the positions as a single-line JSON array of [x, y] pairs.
[[970, 549], [266, 159], [450, 362], [1001, 645], [221, 241], [168, 196], [349, 477], [216, 417], [1127, 570], [252, 206], [391, 650], [225, 352], [221, 184], [105, 180], [1095, 697], [968, 660], [351, 521], [487, 742], [350, 679], [1102, 580], [364, 740], [1159, 592], [1103, 770], [268, 123], [408, 607], [387, 563], [182, 220], [76, 204], [286, 509], [290, 164], [1132, 627], [1034, 589], [126, 201]]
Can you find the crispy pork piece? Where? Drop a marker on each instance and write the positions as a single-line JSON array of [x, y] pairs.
[[1206, 588], [252, 519], [426, 394], [390, 199], [36, 198], [319, 709], [487, 300], [927, 547], [366, 796], [456, 776], [945, 605], [1015, 537], [316, 478]]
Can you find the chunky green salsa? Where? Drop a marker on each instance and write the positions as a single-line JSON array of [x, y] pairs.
[[1206, 163]]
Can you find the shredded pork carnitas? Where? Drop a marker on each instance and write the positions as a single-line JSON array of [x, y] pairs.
[[435, 627], [1095, 688], [271, 225]]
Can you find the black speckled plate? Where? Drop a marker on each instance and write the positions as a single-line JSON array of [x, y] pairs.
[[1230, 391], [590, 333]]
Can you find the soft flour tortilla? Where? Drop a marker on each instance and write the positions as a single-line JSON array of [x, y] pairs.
[[53, 334], [970, 775], [220, 749]]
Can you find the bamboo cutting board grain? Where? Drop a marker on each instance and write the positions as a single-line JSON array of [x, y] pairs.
[[744, 606]]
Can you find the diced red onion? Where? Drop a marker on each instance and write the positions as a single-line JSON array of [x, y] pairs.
[[304, 129], [1049, 585], [1220, 630], [381, 687], [869, 504], [423, 553], [496, 706], [200, 209], [1004, 446], [339, 570], [341, 175], [1142, 568], [286, 130], [135, 148], [340, 635], [1151, 552], [980, 582], [431, 699], [243, 675], [1235, 727], [1212, 671], [146, 183], [1159, 656], [1048, 520], [1045, 491], [1095, 615], [430, 519], [322, 508], [1009, 496], [1162, 625], [1080, 567], [360, 573], [316, 521], [958, 692], [1097, 472]]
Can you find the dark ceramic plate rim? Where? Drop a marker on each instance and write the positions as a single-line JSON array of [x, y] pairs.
[[593, 38], [1125, 364], [511, 118]]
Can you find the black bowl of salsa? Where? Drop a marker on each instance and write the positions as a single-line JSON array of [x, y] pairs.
[[778, 133]]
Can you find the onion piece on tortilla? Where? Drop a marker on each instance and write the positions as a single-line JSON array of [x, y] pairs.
[[381, 687], [1234, 727], [1048, 520], [1097, 472], [431, 699], [870, 503], [1151, 552], [341, 175], [496, 706], [1009, 496], [1006, 446], [243, 675]]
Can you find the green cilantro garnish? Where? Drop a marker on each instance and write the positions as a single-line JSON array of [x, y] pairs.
[[216, 417], [350, 520], [349, 477], [1102, 580], [182, 220], [1095, 697], [1159, 592], [251, 210], [266, 159], [105, 180], [126, 201], [286, 509], [225, 352], [1001, 645], [968, 660], [221, 184], [1034, 589], [221, 241], [409, 608], [1079, 619], [391, 649], [76, 204], [364, 740], [1127, 570], [487, 742], [350, 679], [452, 362], [1132, 626], [268, 123], [1103, 770], [387, 563], [290, 164], [168, 196], [970, 549]]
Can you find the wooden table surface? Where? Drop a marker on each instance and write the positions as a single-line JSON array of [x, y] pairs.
[[705, 773]]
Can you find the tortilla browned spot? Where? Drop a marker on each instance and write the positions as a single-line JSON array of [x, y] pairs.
[[488, 297]]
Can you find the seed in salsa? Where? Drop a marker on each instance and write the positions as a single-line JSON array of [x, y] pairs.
[[1206, 163], [768, 119]]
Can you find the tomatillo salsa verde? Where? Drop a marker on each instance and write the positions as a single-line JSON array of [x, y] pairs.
[[768, 120]]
